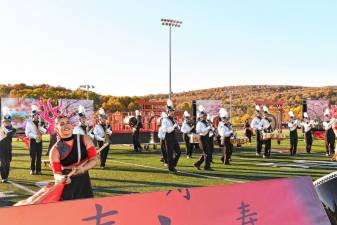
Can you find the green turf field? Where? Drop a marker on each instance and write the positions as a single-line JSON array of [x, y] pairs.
[[128, 172]]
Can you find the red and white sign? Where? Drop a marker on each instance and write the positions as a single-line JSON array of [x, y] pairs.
[[274, 202]]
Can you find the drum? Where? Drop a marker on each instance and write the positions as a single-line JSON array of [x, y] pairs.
[[130, 120], [239, 140], [267, 136], [194, 138], [279, 136], [327, 193]]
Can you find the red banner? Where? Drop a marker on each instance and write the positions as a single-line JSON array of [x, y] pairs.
[[274, 202]]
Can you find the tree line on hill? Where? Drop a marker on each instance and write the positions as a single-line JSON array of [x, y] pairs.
[[242, 97]]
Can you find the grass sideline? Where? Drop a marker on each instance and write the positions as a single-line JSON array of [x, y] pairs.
[[128, 172]]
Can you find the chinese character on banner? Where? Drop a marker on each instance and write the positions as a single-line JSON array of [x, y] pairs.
[[247, 218], [187, 195], [164, 220], [100, 215]]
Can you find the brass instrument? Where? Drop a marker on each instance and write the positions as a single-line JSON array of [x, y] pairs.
[[107, 135], [38, 132]]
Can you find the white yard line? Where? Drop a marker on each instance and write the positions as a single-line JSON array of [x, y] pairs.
[[180, 172], [21, 187]]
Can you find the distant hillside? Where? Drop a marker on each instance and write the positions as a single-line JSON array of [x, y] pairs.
[[242, 96]]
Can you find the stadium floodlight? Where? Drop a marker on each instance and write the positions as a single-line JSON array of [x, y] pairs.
[[170, 23], [87, 87]]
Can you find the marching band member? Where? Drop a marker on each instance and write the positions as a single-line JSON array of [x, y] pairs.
[[203, 130], [248, 131], [255, 126], [212, 134], [293, 125], [83, 128], [102, 132], [135, 132], [6, 133], [265, 127], [169, 125], [307, 125], [67, 154], [161, 136], [186, 129], [329, 133], [34, 130], [225, 130]]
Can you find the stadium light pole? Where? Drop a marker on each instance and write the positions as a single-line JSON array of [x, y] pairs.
[[230, 106], [170, 23], [87, 87]]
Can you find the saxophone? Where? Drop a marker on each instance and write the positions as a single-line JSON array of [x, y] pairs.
[[38, 132]]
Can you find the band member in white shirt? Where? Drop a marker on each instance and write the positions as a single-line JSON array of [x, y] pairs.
[[102, 132], [7, 131], [186, 129], [293, 125], [83, 128], [329, 133], [35, 127], [255, 126], [169, 126], [265, 127], [203, 130], [226, 131], [161, 136], [307, 124]]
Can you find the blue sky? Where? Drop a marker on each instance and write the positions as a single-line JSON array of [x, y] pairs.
[[122, 49]]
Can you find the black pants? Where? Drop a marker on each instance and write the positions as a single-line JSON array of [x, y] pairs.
[[5, 160], [308, 141], [135, 139], [258, 141], [249, 135], [189, 146], [211, 145], [35, 152], [172, 146], [228, 150], [206, 148], [80, 187], [293, 142], [163, 151], [104, 153], [267, 147], [330, 141]]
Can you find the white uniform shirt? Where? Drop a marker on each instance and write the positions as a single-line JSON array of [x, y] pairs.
[[161, 134], [293, 124], [167, 125], [99, 132], [31, 130], [264, 124], [328, 125], [307, 126], [202, 129], [255, 123], [185, 128], [225, 131]]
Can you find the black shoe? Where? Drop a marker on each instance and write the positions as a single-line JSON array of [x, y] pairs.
[[208, 168], [197, 166], [227, 163], [173, 170], [222, 159], [39, 173], [4, 180]]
